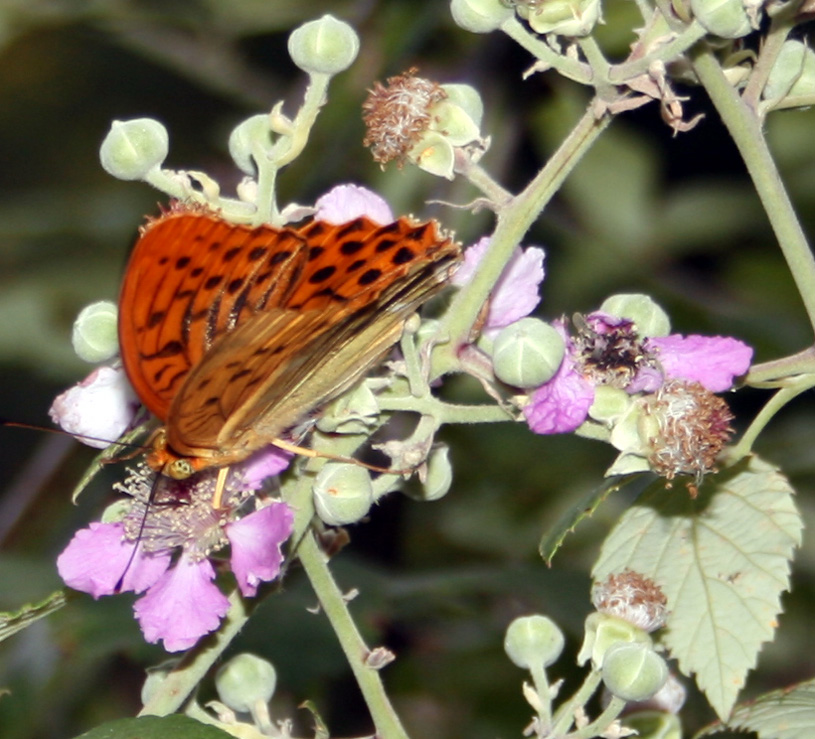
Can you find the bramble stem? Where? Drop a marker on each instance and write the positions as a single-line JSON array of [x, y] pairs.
[[388, 725], [514, 219], [744, 127]]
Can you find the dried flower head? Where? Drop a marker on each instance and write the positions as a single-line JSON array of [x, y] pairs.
[[693, 427], [608, 350], [632, 597], [397, 113]]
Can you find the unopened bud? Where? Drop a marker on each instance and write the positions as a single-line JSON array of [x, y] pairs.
[[245, 681], [324, 46], [527, 353], [649, 318], [480, 16], [634, 672], [343, 493], [95, 337], [531, 641], [134, 148]]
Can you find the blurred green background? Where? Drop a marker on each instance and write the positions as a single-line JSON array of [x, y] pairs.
[[646, 211]]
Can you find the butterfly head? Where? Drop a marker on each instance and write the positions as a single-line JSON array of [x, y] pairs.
[[161, 459]]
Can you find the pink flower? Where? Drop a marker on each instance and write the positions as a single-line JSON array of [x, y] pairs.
[[262, 464], [606, 350], [516, 294], [344, 203], [256, 541], [182, 606], [99, 409], [562, 404], [712, 361], [181, 603], [99, 561]]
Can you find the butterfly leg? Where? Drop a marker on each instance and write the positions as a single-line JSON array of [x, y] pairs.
[[219, 487]]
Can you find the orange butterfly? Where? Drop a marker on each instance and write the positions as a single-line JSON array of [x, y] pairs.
[[232, 335]]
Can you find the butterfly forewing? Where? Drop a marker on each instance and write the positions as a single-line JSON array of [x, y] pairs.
[[232, 335], [191, 278]]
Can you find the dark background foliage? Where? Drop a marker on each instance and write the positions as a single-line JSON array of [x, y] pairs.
[[673, 216]]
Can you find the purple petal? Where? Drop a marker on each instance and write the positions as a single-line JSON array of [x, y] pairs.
[[647, 380], [102, 406], [562, 404], [97, 559], [267, 462], [516, 294], [343, 203], [256, 541], [711, 360], [182, 606]]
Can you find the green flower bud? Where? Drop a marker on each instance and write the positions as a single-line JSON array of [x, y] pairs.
[[355, 412], [722, 18], [563, 17], [634, 672], [604, 631], [95, 336], [439, 473], [654, 725], [134, 148], [324, 46], [251, 135], [527, 353], [434, 154], [610, 404], [648, 317], [533, 640], [454, 123], [245, 681], [467, 98], [793, 72], [343, 493], [480, 16]]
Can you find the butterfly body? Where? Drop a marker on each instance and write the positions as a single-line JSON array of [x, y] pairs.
[[231, 335]]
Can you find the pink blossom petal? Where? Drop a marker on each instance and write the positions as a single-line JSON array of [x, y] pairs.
[[97, 559], [343, 203], [182, 606], [102, 406], [711, 360], [256, 541], [647, 380], [267, 462], [516, 294], [562, 404]]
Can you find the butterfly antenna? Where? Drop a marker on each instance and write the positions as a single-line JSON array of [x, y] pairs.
[[142, 525], [48, 430], [313, 454]]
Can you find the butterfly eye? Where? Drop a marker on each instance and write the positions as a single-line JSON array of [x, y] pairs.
[[179, 469]]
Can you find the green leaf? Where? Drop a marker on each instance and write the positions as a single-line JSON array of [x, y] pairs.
[[11, 623], [783, 714], [553, 539], [155, 727], [722, 560], [120, 449]]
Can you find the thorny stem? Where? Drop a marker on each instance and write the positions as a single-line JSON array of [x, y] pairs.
[[744, 127], [388, 725], [775, 404], [570, 68], [602, 722], [514, 220], [564, 716]]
